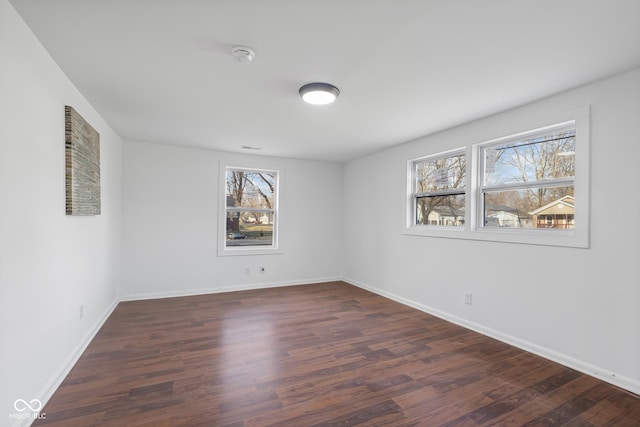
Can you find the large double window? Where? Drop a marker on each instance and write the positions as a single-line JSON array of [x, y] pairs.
[[530, 187]]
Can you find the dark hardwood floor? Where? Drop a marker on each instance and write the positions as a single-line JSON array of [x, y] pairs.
[[328, 354]]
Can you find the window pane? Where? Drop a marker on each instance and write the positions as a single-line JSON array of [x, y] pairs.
[[440, 174], [544, 207], [440, 210], [249, 228], [544, 157], [250, 189]]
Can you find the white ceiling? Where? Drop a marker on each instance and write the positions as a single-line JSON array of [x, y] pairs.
[[161, 70]]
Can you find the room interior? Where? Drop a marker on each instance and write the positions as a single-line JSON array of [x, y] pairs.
[[173, 108]]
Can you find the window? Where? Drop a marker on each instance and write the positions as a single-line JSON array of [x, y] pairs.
[[529, 187], [439, 190], [250, 209], [528, 181]]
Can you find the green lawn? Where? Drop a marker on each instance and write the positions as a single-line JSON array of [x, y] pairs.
[[257, 231]]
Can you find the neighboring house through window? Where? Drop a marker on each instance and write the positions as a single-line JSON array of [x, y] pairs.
[[531, 187], [526, 176]]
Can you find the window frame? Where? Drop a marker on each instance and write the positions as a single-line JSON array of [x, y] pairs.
[[227, 250], [483, 188], [578, 237], [415, 195]]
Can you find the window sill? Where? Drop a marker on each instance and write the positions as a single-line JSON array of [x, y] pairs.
[[243, 251], [561, 238]]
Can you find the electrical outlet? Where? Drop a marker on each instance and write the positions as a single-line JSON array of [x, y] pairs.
[[468, 298]]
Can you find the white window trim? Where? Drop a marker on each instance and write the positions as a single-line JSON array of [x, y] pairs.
[[223, 249], [576, 238]]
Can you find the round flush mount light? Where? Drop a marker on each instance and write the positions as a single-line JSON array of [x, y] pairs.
[[243, 54], [319, 93]]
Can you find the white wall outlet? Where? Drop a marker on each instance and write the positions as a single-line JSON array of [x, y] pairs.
[[468, 299]]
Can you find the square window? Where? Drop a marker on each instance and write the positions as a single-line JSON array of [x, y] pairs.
[[528, 181]]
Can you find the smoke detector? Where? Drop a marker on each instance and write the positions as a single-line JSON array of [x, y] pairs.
[[243, 54]]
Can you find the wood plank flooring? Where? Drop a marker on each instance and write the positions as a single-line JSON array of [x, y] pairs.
[[327, 354]]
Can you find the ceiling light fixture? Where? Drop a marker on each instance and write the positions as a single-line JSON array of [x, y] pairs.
[[243, 54], [319, 93]]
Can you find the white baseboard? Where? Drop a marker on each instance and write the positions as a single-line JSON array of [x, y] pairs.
[[73, 358], [613, 378], [216, 290]]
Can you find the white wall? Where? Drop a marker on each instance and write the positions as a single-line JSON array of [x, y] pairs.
[[583, 312], [171, 214], [50, 263], [577, 306]]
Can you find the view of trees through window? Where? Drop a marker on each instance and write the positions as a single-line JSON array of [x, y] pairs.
[[250, 207], [525, 182], [439, 190], [530, 183]]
